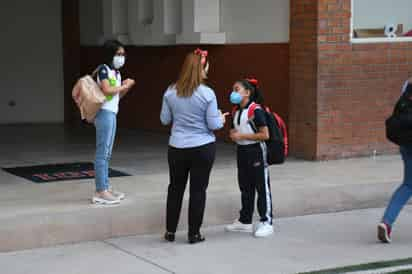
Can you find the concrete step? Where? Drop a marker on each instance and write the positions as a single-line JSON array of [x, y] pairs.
[[40, 215]]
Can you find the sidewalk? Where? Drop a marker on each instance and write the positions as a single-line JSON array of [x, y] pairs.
[[300, 244], [56, 213], [40, 215]]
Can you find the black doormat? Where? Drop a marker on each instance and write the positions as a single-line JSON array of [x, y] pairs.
[[59, 172]]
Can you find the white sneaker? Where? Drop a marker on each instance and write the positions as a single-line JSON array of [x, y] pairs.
[[105, 198], [263, 229], [239, 227], [119, 195], [258, 225]]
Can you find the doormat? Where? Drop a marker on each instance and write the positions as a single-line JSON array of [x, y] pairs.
[[59, 172]]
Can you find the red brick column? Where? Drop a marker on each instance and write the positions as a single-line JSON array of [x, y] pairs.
[[356, 85], [303, 78]]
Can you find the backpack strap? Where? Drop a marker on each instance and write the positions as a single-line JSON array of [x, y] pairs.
[[96, 71], [282, 126], [251, 114], [251, 111], [408, 90]]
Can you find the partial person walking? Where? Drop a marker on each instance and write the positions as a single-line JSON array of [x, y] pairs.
[[404, 192], [191, 107]]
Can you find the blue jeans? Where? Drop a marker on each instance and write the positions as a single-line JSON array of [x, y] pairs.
[[404, 192], [105, 124]]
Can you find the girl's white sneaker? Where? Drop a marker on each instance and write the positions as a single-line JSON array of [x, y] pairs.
[[263, 230], [239, 227]]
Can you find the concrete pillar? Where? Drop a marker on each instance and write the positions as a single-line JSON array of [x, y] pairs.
[[154, 22], [115, 20], [201, 23], [140, 17]]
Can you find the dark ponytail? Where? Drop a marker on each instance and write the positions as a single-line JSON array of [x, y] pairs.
[[252, 85]]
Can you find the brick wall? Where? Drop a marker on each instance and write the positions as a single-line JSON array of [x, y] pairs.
[[303, 78], [357, 85]]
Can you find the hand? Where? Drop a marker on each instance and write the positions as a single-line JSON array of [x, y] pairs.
[[235, 135], [223, 116], [128, 83]]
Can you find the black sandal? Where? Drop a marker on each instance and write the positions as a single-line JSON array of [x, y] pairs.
[[197, 238], [169, 236]]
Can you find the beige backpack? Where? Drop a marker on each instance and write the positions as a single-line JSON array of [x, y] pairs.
[[88, 97]]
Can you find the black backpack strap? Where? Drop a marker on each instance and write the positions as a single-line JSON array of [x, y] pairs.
[[408, 90]]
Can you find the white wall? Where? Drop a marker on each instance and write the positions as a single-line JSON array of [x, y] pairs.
[[259, 21], [31, 70], [378, 13], [115, 20], [241, 21]]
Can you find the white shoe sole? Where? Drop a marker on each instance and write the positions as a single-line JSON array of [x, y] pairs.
[[383, 234], [263, 235], [121, 197], [100, 201], [239, 230]]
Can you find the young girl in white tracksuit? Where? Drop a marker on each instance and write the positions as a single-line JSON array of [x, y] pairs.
[[249, 131]]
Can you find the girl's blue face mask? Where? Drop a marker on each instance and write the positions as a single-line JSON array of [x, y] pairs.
[[235, 98]]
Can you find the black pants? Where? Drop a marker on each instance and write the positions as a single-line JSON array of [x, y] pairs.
[[253, 175], [198, 163]]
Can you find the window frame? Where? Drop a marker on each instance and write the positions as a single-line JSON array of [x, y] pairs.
[[372, 40]]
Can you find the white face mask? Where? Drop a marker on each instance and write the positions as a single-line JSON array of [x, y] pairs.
[[118, 61]]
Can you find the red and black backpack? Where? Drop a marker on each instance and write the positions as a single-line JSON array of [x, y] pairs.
[[277, 144]]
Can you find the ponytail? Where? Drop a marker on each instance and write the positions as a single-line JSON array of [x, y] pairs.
[[252, 84]]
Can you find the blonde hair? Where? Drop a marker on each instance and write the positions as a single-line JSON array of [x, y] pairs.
[[190, 77]]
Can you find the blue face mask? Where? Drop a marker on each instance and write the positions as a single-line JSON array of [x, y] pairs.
[[235, 98]]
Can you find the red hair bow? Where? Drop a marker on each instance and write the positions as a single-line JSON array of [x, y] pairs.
[[202, 53], [253, 81]]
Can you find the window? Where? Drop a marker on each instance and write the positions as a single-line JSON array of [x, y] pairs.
[[376, 21]]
